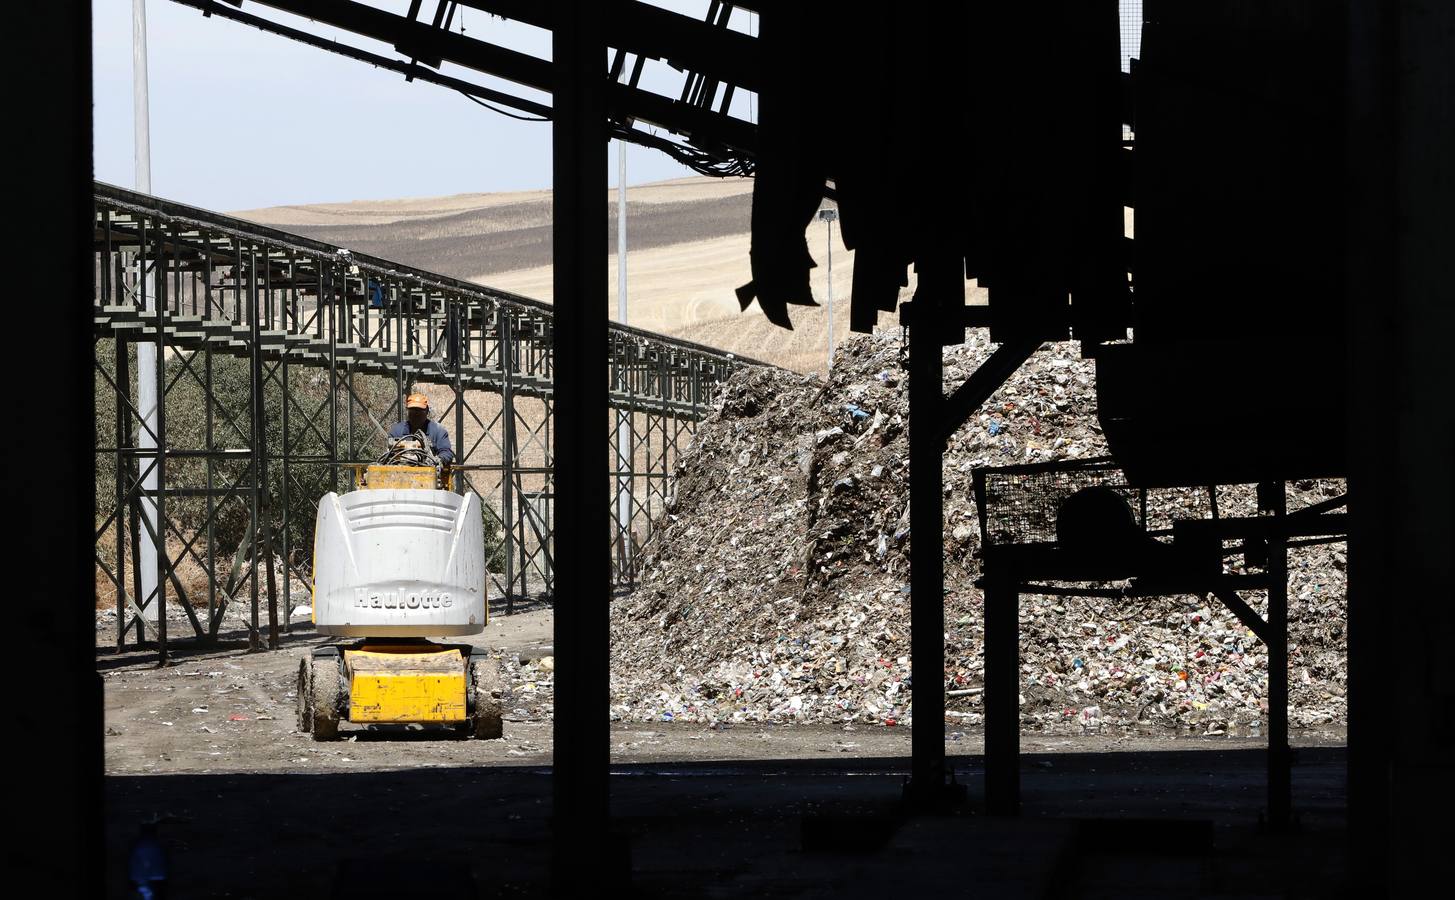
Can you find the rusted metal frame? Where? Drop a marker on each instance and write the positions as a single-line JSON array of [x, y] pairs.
[[189, 549], [174, 293], [129, 407], [394, 413], [207, 299], [643, 440], [632, 378], [615, 492], [233, 229], [262, 496], [352, 454], [191, 287], [358, 319], [486, 490], [185, 365], [620, 473], [530, 521], [368, 414], [505, 350], [642, 499], [537, 437], [502, 512], [450, 408], [327, 312], [111, 576], [406, 314], [169, 568], [398, 342], [642, 448], [136, 607], [428, 345], [534, 510], [294, 314], [134, 492], [237, 301], [315, 485], [166, 571], [457, 334], [664, 388], [311, 421], [486, 430], [202, 241], [122, 390], [656, 432], [463, 329], [548, 491], [104, 262], [264, 307], [286, 395], [234, 491], [133, 480], [689, 426], [214, 609], [255, 510]]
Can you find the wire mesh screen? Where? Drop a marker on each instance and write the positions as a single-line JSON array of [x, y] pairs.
[[1131, 13], [1018, 504], [1131, 32]]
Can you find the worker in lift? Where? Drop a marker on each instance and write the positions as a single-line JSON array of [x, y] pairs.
[[418, 422]]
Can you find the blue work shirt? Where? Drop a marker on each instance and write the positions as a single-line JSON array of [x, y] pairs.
[[439, 439]]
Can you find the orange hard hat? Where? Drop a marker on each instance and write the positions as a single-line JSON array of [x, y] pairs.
[[416, 401]]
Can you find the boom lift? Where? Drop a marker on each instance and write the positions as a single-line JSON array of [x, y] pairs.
[[396, 561]]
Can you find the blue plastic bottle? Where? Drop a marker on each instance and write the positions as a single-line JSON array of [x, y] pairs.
[[147, 865]]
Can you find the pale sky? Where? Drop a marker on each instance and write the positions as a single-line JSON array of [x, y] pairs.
[[242, 119]]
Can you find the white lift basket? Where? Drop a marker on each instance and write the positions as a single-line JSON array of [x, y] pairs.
[[399, 563]]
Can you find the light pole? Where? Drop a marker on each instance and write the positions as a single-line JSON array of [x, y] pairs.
[[147, 396], [828, 215]]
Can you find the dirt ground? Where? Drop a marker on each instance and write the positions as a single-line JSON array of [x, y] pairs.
[[228, 710]]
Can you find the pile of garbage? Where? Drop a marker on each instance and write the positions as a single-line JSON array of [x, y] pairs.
[[777, 588], [530, 683]]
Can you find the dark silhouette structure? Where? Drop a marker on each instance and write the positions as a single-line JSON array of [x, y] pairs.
[[1289, 300]]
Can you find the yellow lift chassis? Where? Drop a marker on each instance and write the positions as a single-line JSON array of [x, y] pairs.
[[397, 681]]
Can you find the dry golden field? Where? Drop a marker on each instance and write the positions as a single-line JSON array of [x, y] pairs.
[[687, 250]]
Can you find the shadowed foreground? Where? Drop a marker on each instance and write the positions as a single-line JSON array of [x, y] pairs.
[[1131, 824]]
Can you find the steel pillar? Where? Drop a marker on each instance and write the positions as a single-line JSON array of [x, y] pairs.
[[582, 736], [941, 287]]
